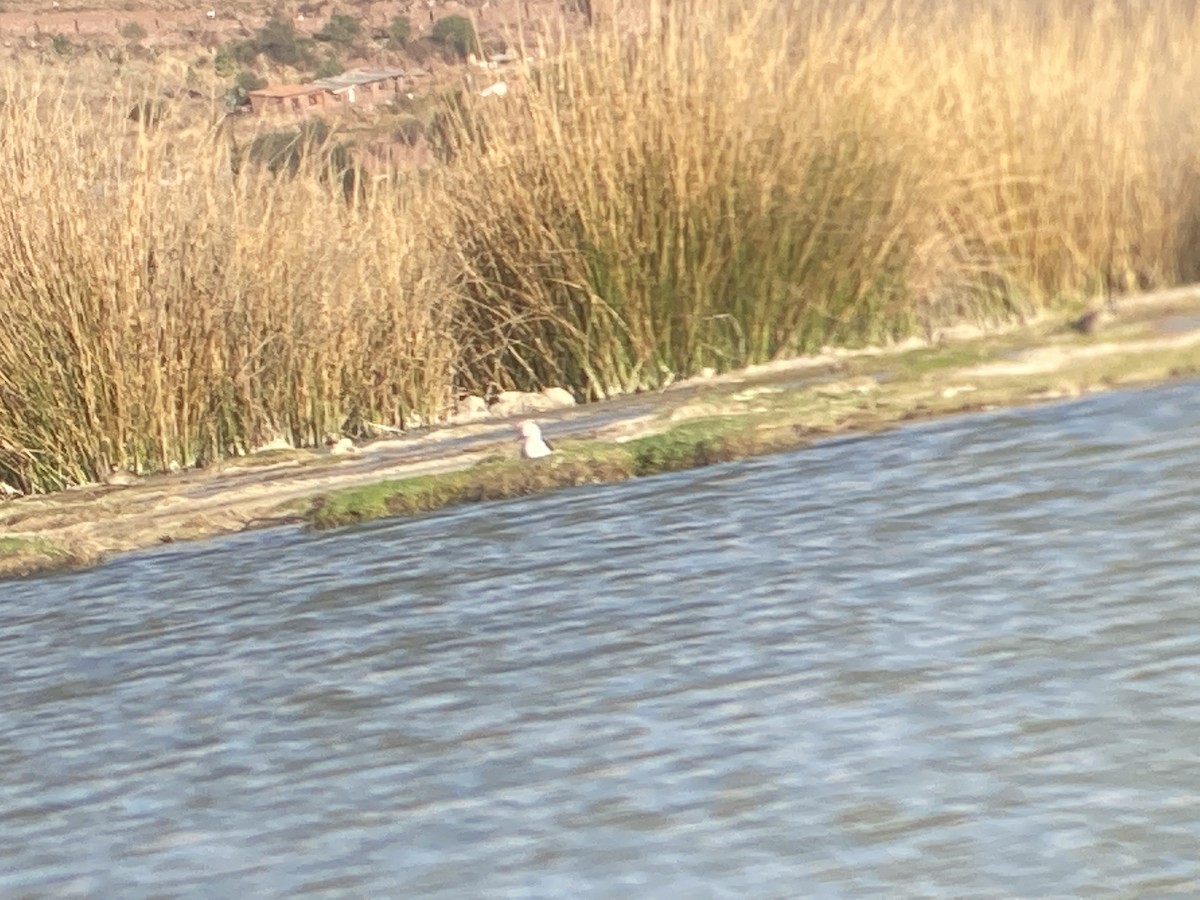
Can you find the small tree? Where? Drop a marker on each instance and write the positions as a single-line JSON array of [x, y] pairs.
[[329, 68], [248, 81], [243, 53], [279, 41], [455, 33], [284, 152], [239, 94], [133, 32], [400, 30], [223, 63], [340, 29]]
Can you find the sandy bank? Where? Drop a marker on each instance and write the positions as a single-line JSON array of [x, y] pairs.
[[764, 409]]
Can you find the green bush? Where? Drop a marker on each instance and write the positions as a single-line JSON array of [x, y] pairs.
[[340, 29], [134, 32], [61, 44], [329, 68], [223, 63], [243, 53], [400, 30], [246, 81], [310, 148], [250, 81], [283, 151], [279, 42], [455, 33]]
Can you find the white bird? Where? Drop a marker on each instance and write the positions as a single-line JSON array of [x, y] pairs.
[[533, 445]]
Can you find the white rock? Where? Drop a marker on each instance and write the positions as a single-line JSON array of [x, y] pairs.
[[751, 393], [278, 443], [954, 390], [342, 447], [516, 403], [561, 397], [470, 409]]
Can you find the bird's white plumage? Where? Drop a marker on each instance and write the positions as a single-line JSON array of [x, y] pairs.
[[533, 445]]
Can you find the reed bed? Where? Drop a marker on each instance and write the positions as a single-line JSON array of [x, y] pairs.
[[161, 311], [688, 184], [741, 184]]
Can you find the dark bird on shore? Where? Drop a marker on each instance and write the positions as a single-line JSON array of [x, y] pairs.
[[1088, 322]]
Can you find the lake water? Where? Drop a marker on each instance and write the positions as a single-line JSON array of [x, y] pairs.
[[956, 659]]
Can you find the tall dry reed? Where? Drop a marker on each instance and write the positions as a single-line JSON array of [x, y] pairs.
[[739, 182], [682, 199], [159, 310], [687, 184]]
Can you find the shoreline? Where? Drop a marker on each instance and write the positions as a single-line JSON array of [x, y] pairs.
[[1153, 338]]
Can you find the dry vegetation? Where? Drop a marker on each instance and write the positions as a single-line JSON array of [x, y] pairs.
[[700, 188]]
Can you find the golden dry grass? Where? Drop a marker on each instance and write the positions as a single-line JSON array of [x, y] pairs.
[[159, 309], [689, 186], [737, 186]]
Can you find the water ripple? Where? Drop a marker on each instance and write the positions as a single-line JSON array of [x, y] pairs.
[[958, 659]]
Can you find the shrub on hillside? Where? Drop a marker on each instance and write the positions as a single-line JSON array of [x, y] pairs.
[[238, 95], [329, 68], [455, 33], [279, 42], [309, 148], [223, 63], [283, 151], [134, 32], [400, 30], [244, 53], [250, 81], [341, 29]]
